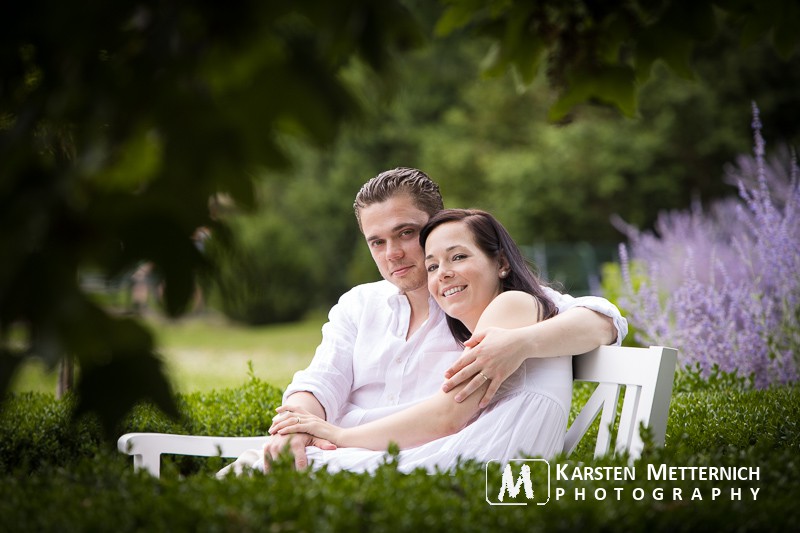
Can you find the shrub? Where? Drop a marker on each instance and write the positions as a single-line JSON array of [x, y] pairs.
[[99, 491], [266, 271], [242, 411], [721, 283], [39, 432]]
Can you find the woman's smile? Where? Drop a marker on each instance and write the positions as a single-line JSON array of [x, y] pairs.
[[461, 277], [453, 290]]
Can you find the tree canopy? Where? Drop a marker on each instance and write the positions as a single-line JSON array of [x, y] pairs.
[[603, 51], [123, 124]]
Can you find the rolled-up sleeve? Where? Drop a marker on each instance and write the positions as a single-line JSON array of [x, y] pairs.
[[565, 302], [329, 377]]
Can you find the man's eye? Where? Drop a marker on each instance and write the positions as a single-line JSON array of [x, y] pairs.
[[375, 244], [407, 232]]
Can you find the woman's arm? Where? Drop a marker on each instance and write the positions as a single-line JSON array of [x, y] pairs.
[[430, 419], [498, 352]]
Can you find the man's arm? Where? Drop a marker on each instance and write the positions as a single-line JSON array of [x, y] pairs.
[[329, 377], [323, 387], [581, 325], [307, 401]]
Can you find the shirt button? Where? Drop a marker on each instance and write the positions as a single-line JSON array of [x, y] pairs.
[[398, 360]]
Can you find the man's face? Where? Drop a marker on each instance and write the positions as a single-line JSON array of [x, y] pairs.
[[391, 229]]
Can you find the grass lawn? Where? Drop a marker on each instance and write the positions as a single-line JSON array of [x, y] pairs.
[[207, 352]]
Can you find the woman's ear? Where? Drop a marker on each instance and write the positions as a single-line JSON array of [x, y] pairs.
[[504, 268]]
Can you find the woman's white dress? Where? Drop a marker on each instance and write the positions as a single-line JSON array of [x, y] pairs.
[[527, 417]]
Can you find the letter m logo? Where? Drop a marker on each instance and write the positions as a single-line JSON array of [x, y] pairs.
[[513, 483], [524, 479]]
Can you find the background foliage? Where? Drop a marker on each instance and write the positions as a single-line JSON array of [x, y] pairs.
[[490, 146], [120, 124]]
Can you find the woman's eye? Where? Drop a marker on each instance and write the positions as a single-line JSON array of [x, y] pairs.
[[432, 268], [459, 257]]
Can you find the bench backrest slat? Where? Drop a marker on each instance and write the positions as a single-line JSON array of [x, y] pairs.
[[647, 375]]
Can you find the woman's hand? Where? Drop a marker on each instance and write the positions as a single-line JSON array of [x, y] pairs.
[[294, 419], [491, 355]]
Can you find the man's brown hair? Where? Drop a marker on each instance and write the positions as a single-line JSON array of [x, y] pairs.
[[402, 180]]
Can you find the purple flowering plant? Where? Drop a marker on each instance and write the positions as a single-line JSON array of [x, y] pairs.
[[722, 284]]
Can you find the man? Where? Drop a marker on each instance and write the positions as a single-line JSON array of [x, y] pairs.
[[387, 344]]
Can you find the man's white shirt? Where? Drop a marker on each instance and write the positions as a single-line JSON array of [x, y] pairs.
[[365, 368]]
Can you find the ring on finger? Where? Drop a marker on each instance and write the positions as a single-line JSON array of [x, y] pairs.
[[298, 419], [483, 376]]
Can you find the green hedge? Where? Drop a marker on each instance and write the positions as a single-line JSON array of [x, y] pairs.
[[53, 478]]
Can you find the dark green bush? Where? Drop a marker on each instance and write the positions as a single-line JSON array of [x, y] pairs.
[[735, 417], [38, 431], [242, 411], [89, 487]]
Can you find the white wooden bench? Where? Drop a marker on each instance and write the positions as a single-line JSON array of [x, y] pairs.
[[646, 373]]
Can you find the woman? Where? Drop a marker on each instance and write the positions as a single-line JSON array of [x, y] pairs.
[[480, 278]]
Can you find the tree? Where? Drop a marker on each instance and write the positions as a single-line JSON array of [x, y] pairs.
[[490, 146], [119, 122], [603, 51]]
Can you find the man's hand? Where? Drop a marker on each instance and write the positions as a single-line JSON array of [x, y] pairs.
[[296, 445], [493, 354]]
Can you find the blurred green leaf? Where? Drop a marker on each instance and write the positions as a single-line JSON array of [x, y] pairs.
[[785, 34], [456, 16], [120, 126], [609, 85], [597, 37], [9, 362], [111, 390]]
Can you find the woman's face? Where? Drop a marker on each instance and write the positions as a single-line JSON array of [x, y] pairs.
[[461, 277]]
